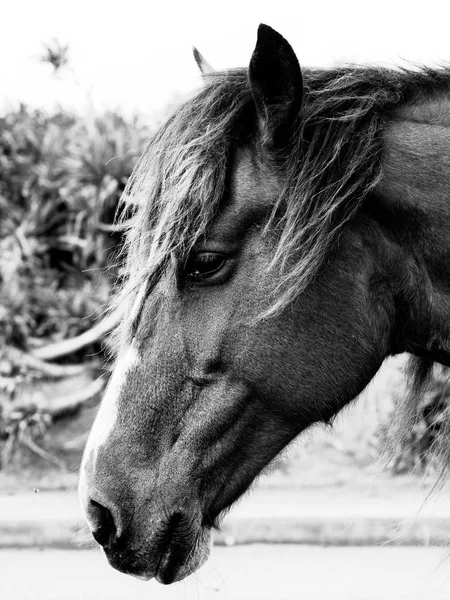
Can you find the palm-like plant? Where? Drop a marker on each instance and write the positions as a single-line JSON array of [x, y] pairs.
[[61, 177]]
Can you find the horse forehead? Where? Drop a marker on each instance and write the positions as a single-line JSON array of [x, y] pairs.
[[254, 182], [254, 187]]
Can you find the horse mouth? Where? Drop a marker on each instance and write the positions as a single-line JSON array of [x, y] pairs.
[[172, 558], [176, 566]]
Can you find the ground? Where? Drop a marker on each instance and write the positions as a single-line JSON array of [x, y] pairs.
[[272, 572]]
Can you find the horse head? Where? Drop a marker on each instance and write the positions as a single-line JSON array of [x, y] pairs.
[[250, 309]]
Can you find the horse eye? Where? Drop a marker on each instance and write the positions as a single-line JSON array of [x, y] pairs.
[[203, 266]]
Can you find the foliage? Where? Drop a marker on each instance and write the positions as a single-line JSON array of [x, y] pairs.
[[60, 180], [61, 177], [23, 427], [56, 54], [424, 446]]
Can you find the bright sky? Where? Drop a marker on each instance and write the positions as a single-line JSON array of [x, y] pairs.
[[137, 54]]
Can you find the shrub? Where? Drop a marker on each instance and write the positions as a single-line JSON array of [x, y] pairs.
[[61, 177]]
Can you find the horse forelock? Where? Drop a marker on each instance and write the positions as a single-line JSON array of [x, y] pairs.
[[333, 161]]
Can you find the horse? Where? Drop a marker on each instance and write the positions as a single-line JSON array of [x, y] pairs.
[[291, 232]]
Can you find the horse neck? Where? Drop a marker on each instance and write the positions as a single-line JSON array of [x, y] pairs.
[[413, 219]]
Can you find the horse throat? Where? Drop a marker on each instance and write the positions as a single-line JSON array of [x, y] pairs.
[[411, 209]]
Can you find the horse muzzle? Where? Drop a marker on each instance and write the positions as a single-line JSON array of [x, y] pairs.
[[149, 542]]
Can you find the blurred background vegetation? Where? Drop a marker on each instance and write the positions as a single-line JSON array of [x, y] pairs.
[[61, 178]]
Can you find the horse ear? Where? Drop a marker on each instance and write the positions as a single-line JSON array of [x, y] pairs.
[[276, 82], [202, 63]]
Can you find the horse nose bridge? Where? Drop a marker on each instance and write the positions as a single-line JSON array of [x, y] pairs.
[[105, 477], [120, 468], [101, 505]]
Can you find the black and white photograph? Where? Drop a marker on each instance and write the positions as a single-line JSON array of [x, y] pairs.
[[225, 300]]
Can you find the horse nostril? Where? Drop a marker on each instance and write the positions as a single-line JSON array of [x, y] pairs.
[[102, 522]]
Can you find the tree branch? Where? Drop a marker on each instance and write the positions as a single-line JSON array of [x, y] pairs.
[[72, 345]]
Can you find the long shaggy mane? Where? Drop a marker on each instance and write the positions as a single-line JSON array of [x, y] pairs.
[[333, 161]]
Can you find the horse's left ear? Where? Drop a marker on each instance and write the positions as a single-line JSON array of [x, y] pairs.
[[277, 86], [202, 63]]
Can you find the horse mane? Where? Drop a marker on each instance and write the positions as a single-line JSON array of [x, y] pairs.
[[333, 161]]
